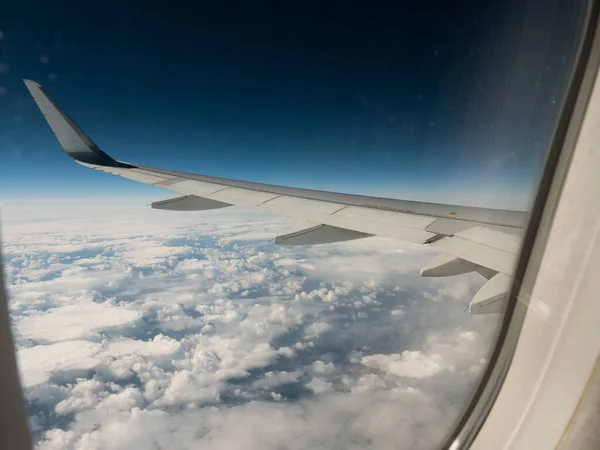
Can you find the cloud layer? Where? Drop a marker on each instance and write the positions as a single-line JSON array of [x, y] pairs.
[[144, 329]]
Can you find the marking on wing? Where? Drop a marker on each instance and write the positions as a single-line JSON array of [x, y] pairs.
[[337, 211], [220, 190], [195, 187], [388, 217], [287, 202], [140, 176], [168, 182], [267, 201], [244, 197], [435, 238], [449, 227]]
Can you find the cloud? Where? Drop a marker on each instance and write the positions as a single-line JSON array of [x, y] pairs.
[[407, 364], [273, 379], [141, 329], [319, 386], [37, 364], [99, 317], [321, 367]]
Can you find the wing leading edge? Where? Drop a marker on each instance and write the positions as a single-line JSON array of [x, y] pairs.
[[486, 241]]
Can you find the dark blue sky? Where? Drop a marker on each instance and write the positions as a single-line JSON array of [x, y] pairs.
[[391, 99]]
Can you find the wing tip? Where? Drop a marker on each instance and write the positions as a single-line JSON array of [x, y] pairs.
[[31, 83], [72, 138]]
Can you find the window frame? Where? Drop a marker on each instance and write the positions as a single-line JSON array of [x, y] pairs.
[[558, 160]]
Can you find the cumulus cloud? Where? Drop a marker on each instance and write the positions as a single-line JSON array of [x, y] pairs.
[[407, 364], [144, 329], [43, 326], [273, 379], [39, 363]]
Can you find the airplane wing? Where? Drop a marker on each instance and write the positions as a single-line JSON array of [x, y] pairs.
[[486, 241]]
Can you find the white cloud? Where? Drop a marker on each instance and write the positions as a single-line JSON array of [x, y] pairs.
[[407, 364], [160, 345], [319, 386], [187, 389], [86, 394], [316, 329], [39, 363], [273, 379], [369, 382], [321, 367], [142, 329], [97, 317]]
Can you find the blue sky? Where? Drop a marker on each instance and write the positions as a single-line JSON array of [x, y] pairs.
[[405, 100]]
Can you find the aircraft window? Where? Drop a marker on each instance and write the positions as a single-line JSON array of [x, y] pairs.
[[352, 299]]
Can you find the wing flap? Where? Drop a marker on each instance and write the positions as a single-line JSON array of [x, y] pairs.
[[390, 218], [448, 227], [491, 237], [477, 253], [387, 228], [302, 204]]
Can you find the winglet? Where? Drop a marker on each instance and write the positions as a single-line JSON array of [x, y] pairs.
[[72, 138], [31, 83]]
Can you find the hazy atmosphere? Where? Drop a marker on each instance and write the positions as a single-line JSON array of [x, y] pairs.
[[146, 329]]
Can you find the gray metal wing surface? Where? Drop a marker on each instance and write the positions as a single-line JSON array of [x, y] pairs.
[[469, 239]]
